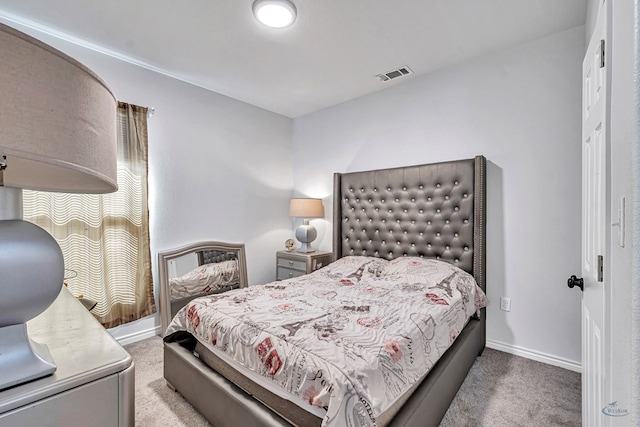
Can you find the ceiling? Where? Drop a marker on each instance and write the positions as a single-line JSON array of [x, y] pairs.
[[331, 54]]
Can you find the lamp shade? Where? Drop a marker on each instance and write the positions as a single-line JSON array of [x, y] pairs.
[[57, 120], [306, 208]]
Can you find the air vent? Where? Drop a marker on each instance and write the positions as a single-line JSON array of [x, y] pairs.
[[394, 74]]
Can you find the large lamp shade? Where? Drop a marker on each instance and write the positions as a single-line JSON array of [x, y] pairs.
[[57, 133]]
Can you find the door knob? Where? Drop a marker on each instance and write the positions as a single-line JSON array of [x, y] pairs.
[[576, 281]]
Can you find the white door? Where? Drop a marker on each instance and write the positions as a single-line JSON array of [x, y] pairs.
[[594, 200]]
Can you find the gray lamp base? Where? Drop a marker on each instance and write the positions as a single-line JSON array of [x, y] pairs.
[[21, 359], [306, 233]]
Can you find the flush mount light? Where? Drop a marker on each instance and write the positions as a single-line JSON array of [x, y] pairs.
[[274, 13]]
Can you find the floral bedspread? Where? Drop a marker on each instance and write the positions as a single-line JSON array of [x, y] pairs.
[[351, 337]]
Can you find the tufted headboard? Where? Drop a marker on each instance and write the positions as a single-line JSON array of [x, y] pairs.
[[434, 211], [211, 256]]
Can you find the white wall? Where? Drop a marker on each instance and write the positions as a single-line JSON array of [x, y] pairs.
[[521, 109], [219, 169]]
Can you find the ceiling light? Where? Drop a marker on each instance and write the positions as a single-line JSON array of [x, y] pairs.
[[274, 13]]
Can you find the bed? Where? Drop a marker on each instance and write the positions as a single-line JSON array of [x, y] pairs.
[[432, 212]]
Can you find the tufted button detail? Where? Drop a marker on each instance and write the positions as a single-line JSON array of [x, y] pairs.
[[362, 190], [351, 189], [413, 200], [421, 186], [388, 188], [428, 199], [420, 211], [375, 189], [398, 221], [405, 231], [384, 242], [456, 208], [455, 234], [413, 245], [382, 200], [446, 221], [352, 250], [446, 197], [429, 245], [465, 195], [437, 210], [438, 185], [438, 257], [466, 221], [421, 233], [357, 199], [456, 260], [390, 211], [397, 200], [413, 221], [404, 188], [446, 247], [384, 220], [405, 211], [466, 248], [428, 222], [455, 183], [398, 243], [438, 234]]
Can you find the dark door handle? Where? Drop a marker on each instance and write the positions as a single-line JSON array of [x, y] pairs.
[[576, 281]]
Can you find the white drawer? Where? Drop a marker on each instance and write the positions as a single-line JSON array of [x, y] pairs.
[[292, 263], [287, 273]]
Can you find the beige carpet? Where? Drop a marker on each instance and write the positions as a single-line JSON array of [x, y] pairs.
[[500, 390]]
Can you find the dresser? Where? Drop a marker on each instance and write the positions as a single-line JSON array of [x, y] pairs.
[[93, 384], [294, 264]]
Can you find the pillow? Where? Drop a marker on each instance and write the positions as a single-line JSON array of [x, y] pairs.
[[204, 279], [418, 266], [348, 265]]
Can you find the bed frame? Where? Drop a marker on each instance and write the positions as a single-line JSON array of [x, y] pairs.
[[437, 211]]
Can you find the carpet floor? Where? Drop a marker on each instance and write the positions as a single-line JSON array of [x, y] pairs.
[[500, 390]]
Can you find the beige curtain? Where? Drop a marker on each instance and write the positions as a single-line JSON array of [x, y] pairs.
[[105, 237]]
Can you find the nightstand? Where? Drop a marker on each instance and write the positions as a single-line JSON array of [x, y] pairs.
[[94, 381], [294, 264]]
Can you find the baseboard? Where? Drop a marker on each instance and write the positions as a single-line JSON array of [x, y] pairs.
[[138, 336], [535, 355]]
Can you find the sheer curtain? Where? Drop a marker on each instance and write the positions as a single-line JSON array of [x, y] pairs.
[[105, 237]]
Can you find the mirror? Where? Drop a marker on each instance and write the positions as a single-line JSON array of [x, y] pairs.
[[197, 270]]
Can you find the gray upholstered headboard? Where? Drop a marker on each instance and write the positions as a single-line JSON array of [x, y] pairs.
[[211, 256], [433, 211]]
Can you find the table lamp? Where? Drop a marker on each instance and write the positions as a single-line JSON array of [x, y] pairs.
[[306, 208], [57, 133]]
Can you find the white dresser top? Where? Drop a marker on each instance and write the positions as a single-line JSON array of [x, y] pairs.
[[80, 346]]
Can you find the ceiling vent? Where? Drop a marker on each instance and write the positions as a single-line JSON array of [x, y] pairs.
[[394, 74]]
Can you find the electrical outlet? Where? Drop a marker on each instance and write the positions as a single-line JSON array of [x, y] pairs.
[[505, 304]]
